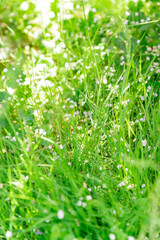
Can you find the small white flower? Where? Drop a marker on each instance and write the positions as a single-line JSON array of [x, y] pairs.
[[155, 94], [60, 214], [51, 14], [10, 90], [127, 13], [112, 236], [114, 212], [67, 66], [149, 88], [89, 197], [121, 184], [24, 6], [119, 166], [131, 238], [104, 80], [142, 119], [49, 44], [60, 89], [45, 83], [36, 114], [68, 5], [144, 142], [94, 10], [3, 150], [126, 22], [61, 146], [8, 234], [5, 70], [84, 204], [79, 203], [142, 98], [42, 132], [14, 139]]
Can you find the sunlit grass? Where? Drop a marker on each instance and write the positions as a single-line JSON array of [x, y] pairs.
[[79, 120]]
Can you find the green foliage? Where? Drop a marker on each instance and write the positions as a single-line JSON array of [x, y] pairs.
[[79, 120]]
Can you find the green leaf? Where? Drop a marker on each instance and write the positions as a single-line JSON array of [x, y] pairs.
[[69, 237], [3, 96], [27, 116], [13, 76], [3, 107]]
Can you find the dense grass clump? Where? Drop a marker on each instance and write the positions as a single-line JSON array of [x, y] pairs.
[[80, 120]]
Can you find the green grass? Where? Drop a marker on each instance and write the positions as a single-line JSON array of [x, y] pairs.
[[80, 120]]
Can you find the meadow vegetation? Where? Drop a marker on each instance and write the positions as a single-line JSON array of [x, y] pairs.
[[79, 120]]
